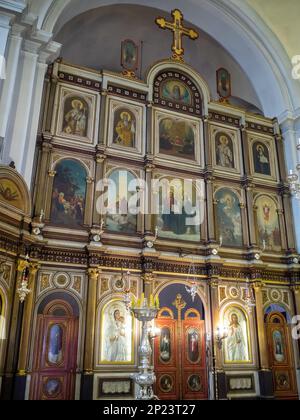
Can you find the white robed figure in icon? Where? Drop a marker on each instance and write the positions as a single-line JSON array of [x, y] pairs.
[[116, 338], [236, 345]]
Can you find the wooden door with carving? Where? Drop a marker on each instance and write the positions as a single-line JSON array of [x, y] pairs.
[[281, 356], [180, 354], [55, 354]]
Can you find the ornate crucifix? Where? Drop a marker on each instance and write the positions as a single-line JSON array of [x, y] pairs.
[[179, 31]]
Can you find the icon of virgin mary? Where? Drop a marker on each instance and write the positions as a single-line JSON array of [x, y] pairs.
[[55, 351]]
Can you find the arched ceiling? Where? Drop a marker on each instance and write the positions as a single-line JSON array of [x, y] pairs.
[[235, 24], [100, 48], [283, 19]]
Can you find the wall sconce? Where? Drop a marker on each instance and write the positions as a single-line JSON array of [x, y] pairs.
[[221, 335], [215, 251]]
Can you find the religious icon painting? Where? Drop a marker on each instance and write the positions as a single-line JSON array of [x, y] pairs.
[[10, 194], [279, 350], [262, 158], [268, 229], [125, 127], [226, 149], [53, 388], [165, 345], [69, 194], [129, 57], [195, 383], [117, 339], [178, 205], [237, 343], [223, 84], [55, 345], [121, 212], [193, 345], [177, 92], [166, 384], [283, 381], [76, 115], [228, 217], [177, 139]]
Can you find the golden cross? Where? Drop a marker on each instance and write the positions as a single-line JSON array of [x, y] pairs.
[[179, 31]]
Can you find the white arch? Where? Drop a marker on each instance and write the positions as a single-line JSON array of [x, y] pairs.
[[234, 24]]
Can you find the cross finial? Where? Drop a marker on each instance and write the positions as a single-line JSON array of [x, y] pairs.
[[178, 32]]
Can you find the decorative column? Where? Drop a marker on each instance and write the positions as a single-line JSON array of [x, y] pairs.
[[7, 93], [281, 156], [36, 109], [23, 107], [90, 188], [99, 175], [148, 279], [149, 197], [244, 224], [248, 186], [40, 188], [13, 387], [265, 374], [290, 129], [216, 370], [280, 213], [245, 145], [88, 376], [210, 209], [149, 128], [288, 215], [27, 320], [48, 192]]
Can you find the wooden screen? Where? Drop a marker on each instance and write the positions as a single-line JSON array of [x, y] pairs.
[[55, 354], [281, 356], [180, 357]]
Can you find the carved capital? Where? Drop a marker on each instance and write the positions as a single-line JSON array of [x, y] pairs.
[[22, 265], [94, 273], [100, 158], [90, 180], [296, 289], [149, 168], [258, 286], [148, 278], [213, 283], [34, 268], [52, 174]]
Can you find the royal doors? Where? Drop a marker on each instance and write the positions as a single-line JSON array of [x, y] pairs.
[[55, 354], [281, 356], [180, 353]]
